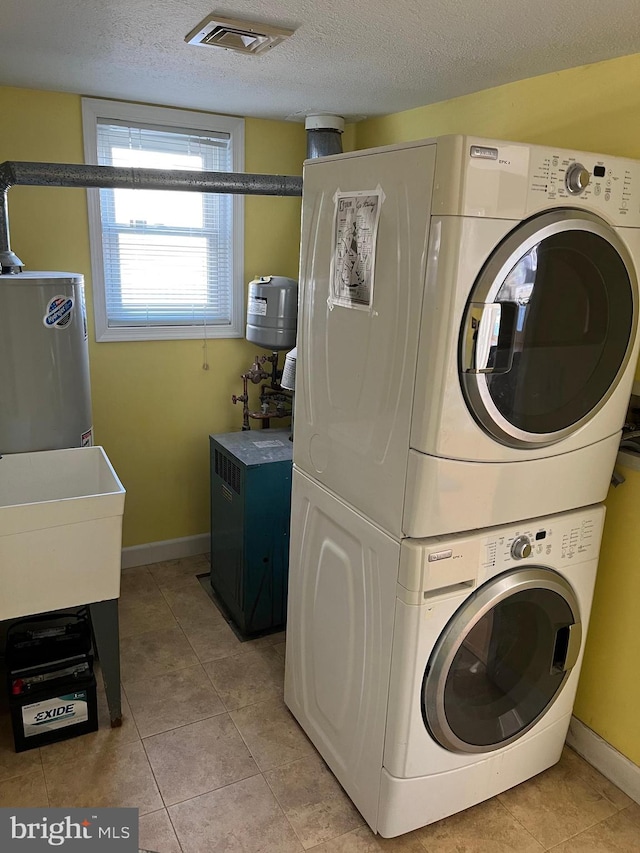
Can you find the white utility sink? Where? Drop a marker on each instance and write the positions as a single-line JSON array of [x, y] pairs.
[[60, 530]]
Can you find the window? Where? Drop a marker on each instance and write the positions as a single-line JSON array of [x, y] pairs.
[[165, 263]]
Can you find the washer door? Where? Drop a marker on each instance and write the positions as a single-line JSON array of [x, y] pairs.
[[501, 661], [549, 328]]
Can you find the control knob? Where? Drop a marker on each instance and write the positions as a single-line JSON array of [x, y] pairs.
[[521, 548], [576, 178]]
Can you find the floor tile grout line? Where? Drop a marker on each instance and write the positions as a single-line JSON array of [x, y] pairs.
[[184, 725], [244, 741], [46, 787], [213, 790], [175, 831], [262, 701], [58, 764], [581, 831], [563, 840], [214, 686], [157, 811], [497, 799], [335, 838], [195, 586], [180, 668], [244, 653], [275, 767], [160, 674], [25, 772], [150, 631], [224, 704], [286, 816], [288, 763], [166, 805], [18, 775], [166, 811], [155, 779], [592, 786]]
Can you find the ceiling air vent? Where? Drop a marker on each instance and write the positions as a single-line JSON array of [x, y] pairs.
[[242, 36]]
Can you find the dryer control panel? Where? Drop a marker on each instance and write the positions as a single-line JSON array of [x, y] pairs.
[[608, 185], [510, 180]]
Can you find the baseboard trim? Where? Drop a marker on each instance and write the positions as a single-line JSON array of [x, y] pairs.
[[169, 549], [613, 764]]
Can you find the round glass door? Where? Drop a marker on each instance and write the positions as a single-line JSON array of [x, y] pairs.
[[502, 661], [549, 328]]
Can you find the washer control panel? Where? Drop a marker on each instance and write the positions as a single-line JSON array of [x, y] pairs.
[[610, 185], [567, 538], [452, 565]]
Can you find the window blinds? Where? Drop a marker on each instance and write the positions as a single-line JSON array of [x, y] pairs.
[[168, 255]]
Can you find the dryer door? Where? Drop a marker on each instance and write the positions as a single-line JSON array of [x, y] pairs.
[[502, 660], [549, 328]]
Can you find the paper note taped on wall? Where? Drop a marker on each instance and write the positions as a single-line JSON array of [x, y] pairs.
[[355, 232]]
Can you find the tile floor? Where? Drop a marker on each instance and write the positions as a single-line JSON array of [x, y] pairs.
[[214, 762]]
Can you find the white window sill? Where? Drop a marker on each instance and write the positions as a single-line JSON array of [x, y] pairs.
[[167, 333]]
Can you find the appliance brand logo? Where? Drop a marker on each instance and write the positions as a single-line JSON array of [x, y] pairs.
[[483, 152], [62, 712], [59, 312], [70, 829]]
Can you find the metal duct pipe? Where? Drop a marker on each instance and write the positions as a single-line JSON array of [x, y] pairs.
[[324, 135], [14, 173]]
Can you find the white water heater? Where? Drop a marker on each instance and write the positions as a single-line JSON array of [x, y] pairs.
[[45, 395]]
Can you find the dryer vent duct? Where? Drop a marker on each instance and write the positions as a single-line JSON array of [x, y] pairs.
[[324, 135], [15, 173]]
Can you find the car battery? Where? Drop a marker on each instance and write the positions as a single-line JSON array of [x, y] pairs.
[[52, 686]]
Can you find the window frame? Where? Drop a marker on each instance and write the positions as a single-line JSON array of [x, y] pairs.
[[94, 109]]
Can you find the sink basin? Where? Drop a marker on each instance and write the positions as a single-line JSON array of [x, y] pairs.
[[60, 530]]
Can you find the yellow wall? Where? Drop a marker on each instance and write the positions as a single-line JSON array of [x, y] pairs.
[[609, 695], [153, 404], [594, 107]]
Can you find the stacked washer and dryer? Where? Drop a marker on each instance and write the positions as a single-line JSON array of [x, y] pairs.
[[466, 349]]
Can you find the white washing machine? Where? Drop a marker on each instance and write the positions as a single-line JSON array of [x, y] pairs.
[[467, 329], [433, 674]]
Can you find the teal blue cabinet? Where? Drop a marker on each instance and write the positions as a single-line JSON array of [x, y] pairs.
[[250, 511]]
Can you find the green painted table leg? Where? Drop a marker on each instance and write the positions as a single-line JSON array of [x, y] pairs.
[[106, 633]]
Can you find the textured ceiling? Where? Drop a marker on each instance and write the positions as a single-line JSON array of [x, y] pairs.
[[357, 58]]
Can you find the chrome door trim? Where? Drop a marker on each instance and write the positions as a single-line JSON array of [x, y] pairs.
[[520, 241], [464, 620]]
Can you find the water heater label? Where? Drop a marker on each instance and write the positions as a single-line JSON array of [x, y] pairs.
[[257, 305], [59, 312]]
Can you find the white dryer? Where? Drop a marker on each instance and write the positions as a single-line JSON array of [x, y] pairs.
[[433, 674], [467, 329]]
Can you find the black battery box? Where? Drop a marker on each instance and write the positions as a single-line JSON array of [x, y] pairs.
[[52, 686]]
